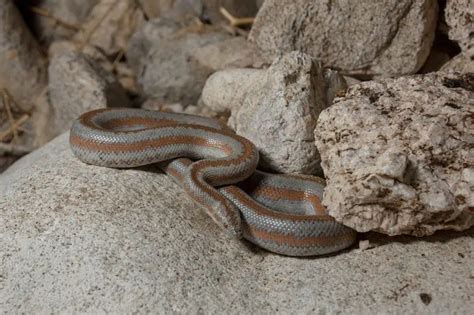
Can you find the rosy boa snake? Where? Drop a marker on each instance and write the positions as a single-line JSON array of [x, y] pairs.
[[280, 213]]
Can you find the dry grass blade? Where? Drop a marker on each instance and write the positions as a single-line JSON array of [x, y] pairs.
[[13, 128], [234, 21], [14, 125], [47, 14]]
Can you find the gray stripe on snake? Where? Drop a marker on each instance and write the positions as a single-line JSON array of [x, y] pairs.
[[134, 137]]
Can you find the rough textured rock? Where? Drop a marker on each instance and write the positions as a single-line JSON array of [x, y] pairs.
[[459, 15], [279, 114], [207, 10], [351, 81], [120, 69], [460, 63], [91, 88], [154, 8], [335, 84], [142, 40], [170, 73], [22, 65], [199, 110], [276, 108], [83, 239], [226, 90], [234, 52], [72, 12], [110, 25], [61, 47], [389, 37], [398, 154]]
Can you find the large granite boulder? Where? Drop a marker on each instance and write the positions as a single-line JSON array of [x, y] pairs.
[[77, 238]]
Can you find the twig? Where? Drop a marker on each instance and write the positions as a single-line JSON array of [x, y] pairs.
[[47, 14], [235, 21], [196, 26], [6, 98], [13, 127], [117, 59]]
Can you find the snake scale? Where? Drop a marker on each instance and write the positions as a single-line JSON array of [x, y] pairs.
[[217, 169]]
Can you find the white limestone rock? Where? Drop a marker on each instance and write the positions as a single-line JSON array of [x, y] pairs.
[[398, 154], [460, 63]]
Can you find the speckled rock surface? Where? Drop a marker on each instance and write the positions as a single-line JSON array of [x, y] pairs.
[[207, 10], [459, 15], [398, 154], [170, 73], [387, 37], [279, 114], [226, 90], [22, 66], [142, 40], [276, 108], [460, 63], [235, 52], [78, 84], [83, 239]]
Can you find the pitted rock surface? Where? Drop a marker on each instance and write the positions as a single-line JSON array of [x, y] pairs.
[[398, 154], [279, 113], [459, 15]]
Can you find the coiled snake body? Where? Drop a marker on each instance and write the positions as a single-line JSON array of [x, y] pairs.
[[281, 213]]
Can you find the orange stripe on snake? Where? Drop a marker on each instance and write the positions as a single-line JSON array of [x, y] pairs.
[[217, 169]]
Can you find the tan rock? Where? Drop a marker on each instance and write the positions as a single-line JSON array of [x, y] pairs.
[[389, 37], [77, 238], [459, 15], [461, 63], [23, 67], [77, 84], [398, 154]]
